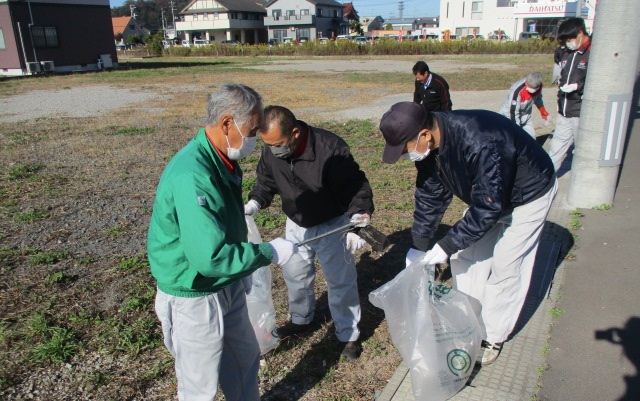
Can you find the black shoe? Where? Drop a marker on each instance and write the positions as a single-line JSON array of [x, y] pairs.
[[351, 350], [291, 329]]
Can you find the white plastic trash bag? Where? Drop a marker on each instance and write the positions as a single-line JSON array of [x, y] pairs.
[[259, 299], [435, 328]]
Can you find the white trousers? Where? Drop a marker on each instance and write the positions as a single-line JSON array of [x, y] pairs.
[[339, 267], [496, 270], [528, 127], [212, 341], [564, 135]]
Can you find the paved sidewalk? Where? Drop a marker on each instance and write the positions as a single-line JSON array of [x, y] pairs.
[[515, 375]]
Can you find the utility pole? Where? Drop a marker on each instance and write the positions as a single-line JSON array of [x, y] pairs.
[[400, 9], [606, 103], [164, 30], [173, 17], [131, 8]]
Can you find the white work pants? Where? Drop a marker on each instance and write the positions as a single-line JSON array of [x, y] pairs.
[[339, 267], [564, 135], [528, 127], [496, 270], [212, 340]]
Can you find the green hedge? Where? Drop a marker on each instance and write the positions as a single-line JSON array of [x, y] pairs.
[[382, 47]]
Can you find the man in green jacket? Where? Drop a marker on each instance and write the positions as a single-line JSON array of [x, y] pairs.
[[199, 253]]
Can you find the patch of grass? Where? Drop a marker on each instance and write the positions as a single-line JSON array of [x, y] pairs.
[[60, 346], [31, 216], [134, 131], [270, 219], [557, 312], [576, 213], [49, 257], [86, 260], [575, 224], [129, 336], [602, 207], [132, 263], [59, 278], [117, 231], [24, 172]]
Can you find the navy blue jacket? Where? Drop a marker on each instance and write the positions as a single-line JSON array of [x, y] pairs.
[[488, 162]]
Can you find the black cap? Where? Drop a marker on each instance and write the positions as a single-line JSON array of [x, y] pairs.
[[399, 125]]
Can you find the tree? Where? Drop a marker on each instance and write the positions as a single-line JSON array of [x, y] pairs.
[[388, 27], [355, 27]]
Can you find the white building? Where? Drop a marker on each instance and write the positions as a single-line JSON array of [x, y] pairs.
[[485, 17]]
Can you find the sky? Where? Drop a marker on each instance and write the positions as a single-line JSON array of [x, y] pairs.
[[384, 8]]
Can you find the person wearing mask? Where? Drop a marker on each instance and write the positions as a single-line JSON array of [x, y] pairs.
[[573, 74], [322, 188], [198, 252], [431, 90], [519, 102], [508, 182]]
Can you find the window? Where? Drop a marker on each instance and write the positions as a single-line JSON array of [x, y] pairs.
[[276, 14], [304, 12], [476, 10], [336, 13], [320, 12], [279, 34], [304, 33], [44, 36], [233, 16], [2, 44], [503, 3], [291, 13], [195, 16], [205, 15]]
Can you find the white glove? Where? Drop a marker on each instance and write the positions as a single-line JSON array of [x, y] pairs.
[[568, 88], [360, 220], [354, 242], [283, 250], [435, 255], [251, 207], [413, 255]]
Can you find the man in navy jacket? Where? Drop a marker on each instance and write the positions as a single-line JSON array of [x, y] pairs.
[[509, 183]]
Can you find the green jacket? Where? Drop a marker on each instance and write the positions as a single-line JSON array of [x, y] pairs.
[[197, 240]]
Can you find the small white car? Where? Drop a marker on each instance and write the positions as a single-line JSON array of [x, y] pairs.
[[200, 42], [186, 43]]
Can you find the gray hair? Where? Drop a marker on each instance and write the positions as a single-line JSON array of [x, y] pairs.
[[236, 99], [534, 79]]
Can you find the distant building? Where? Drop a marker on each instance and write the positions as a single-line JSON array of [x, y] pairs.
[[305, 18], [123, 27], [512, 17], [369, 24], [223, 20], [55, 36]]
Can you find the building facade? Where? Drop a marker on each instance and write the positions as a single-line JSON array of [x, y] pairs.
[[221, 20], [123, 27], [305, 19], [486, 17], [55, 36]]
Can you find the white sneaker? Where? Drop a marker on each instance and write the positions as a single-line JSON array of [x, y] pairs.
[[488, 353]]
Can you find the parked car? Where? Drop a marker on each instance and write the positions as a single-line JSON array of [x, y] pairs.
[[343, 37], [524, 36], [303, 39], [186, 43], [230, 42], [273, 43], [360, 40], [471, 37], [200, 43], [166, 44], [124, 46], [288, 41], [323, 41]]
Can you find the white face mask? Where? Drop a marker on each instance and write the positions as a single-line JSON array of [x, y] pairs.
[[574, 44], [532, 90], [248, 145], [416, 156]]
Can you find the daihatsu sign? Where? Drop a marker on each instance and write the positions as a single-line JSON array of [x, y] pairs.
[[549, 10]]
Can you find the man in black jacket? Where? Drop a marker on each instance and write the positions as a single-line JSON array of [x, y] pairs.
[[573, 74], [509, 183], [431, 90], [321, 188]]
